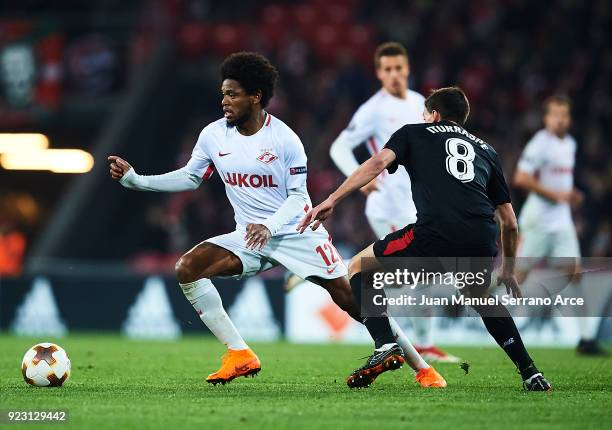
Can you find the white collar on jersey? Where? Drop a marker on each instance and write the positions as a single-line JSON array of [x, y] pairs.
[[266, 122]]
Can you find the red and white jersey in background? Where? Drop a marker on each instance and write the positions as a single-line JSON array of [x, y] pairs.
[[257, 170], [551, 159], [374, 123]]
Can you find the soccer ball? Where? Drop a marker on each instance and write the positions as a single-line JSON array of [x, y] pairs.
[[45, 365]]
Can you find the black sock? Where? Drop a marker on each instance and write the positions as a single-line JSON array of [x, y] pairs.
[[376, 321], [503, 329]]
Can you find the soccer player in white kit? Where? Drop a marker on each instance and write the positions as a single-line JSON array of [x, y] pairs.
[[546, 171], [389, 204], [263, 165]]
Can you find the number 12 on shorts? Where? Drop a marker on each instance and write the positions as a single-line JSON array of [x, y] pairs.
[[329, 254]]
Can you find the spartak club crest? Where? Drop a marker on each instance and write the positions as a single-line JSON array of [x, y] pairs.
[[267, 157]]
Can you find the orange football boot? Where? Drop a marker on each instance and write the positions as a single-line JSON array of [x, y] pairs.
[[235, 363], [429, 378]]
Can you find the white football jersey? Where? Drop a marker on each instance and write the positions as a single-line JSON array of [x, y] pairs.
[[257, 170], [551, 159], [374, 122]]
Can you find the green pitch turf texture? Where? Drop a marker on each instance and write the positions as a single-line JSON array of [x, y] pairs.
[[118, 383]]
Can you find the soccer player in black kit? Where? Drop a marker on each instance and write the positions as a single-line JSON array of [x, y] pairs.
[[458, 188]]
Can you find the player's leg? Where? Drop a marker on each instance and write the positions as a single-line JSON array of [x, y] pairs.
[[362, 265], [194, 271], [534, 245], [340, 291], [356, 272], [588, 325], [422, 323], [566, 252], [312, 256], [387, 356], [500, 325], [384, 330]]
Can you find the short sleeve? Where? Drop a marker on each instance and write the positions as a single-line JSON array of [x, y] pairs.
[[398, 142], [532, 158], [497, 188], [295, 162], [361, 127], [200, 163]]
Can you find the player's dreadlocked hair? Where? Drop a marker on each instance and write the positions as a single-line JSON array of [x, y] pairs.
[[450, 102], [253, 72]]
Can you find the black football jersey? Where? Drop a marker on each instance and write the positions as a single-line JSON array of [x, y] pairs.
[[457, 181]]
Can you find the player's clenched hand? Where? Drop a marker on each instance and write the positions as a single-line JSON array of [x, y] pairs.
[[511, 284], [257, 235], [317, 215], [118, 167]]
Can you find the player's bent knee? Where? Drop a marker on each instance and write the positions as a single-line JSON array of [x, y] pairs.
[[184, 269], [354, 266]]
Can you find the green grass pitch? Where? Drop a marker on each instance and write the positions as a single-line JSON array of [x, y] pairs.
[[118, 383]]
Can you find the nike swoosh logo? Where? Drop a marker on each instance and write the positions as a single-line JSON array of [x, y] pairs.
[[244, 367], [330, 271], [223, 155]]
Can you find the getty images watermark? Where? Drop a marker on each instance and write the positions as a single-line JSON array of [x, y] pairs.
[[448, 286], [458, 280]]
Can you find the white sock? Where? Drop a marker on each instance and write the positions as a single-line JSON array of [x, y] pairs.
[[414, 358], [205, 299], [587, 326]]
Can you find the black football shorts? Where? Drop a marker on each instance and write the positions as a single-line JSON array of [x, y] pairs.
[[423, 253]]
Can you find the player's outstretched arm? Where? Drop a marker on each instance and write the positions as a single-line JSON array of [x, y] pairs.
[[509, 239], [364, 174], [177, 180]]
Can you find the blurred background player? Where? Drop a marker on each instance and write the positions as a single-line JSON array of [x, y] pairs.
[[263, 165], [389, 204], [546, 171]]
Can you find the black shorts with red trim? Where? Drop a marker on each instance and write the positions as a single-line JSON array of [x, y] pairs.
[[407, 242], [400, 243], [431, 255]]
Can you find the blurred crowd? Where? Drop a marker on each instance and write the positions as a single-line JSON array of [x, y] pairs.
[[508, 55]]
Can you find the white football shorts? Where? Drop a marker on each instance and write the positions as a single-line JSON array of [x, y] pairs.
[[307, 255], [537, 244]]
